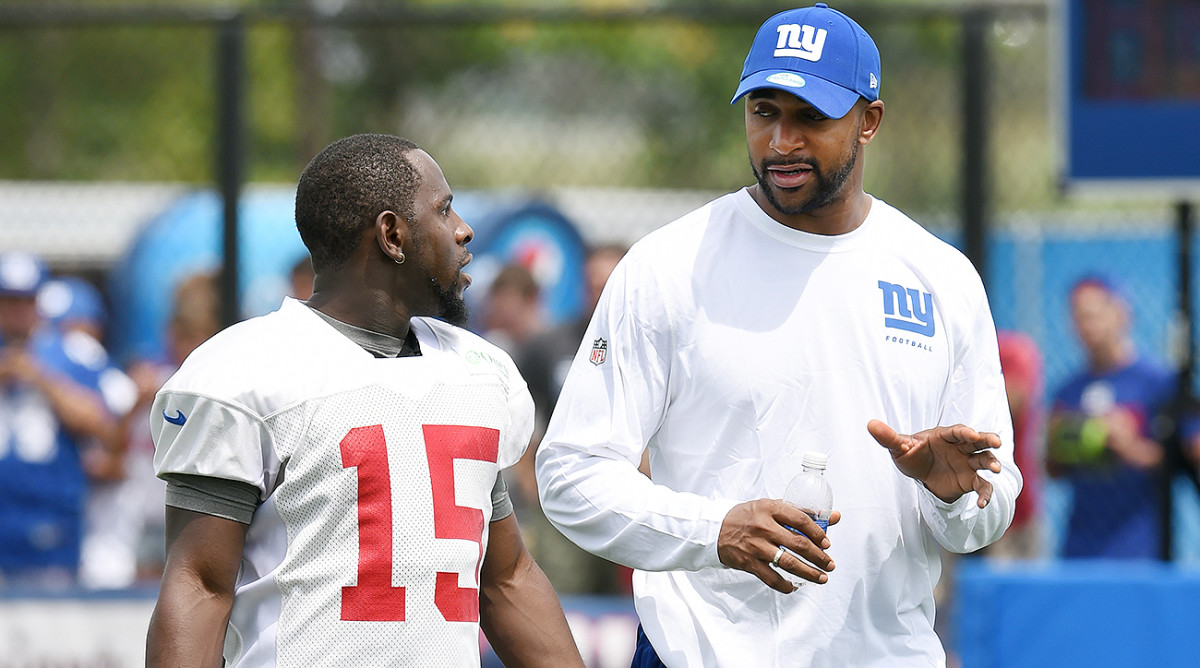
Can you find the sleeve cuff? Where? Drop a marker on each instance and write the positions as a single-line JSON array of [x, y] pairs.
[[956, 507], [713, 514], [942, 517]]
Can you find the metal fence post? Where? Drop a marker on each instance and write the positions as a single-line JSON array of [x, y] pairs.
[[231, 65], [975, 74], [1184, 406]]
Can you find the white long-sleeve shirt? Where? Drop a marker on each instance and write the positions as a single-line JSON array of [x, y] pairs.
[[729, 344]]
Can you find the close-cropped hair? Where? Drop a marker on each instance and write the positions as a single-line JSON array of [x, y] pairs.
[[346, 186]]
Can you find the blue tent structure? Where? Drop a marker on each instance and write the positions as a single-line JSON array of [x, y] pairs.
[[186, 239]]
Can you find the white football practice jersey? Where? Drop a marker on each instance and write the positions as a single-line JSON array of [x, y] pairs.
[[374, 477]]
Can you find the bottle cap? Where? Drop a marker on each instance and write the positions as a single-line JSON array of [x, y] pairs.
[[815, 460]]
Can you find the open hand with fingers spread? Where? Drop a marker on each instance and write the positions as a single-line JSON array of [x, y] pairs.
[[755, 535], [947, 460]]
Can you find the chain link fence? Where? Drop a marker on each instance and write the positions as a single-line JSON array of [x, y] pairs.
[[537, 100], [616, 114]]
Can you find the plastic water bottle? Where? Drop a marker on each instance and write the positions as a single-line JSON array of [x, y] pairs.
[[809, 491]]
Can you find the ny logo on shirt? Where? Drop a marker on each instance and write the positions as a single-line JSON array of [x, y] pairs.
[[913, 308]]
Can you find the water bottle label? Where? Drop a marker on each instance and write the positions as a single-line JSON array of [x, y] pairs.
[[823, 523]]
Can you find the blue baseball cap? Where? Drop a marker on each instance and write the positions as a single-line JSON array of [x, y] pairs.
[[1108, 282], [71, 299], [21, 274], [818, 54]]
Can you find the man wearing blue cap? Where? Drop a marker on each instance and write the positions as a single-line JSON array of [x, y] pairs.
[[50, 407], [798, 314]]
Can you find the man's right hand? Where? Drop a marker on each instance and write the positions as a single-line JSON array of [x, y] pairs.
[[753, 532]]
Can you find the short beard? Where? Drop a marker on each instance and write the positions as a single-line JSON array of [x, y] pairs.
[[828, 188], [447, 301], [453, 309]]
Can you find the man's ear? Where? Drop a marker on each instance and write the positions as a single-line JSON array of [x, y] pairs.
[[391, 233], [872, 118]]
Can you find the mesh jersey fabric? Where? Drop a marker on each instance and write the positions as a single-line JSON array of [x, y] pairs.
[[375, 478], [728, 345]]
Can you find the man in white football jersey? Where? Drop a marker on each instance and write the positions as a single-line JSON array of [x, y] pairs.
[[333, 468], [798, 314]]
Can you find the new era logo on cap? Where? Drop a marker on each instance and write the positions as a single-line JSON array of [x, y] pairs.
[[816, 53]]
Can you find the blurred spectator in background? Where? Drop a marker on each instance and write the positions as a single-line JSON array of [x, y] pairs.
[[544, 362], [195, 317], [512, 314], [50, 408], [72, 304], [301, 278], [1021, 363], [75, 307], [1100, 439]]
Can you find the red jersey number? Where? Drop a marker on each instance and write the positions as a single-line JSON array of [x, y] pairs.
[[374, 598]]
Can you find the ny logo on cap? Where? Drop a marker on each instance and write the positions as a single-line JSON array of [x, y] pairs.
[[797, 41]]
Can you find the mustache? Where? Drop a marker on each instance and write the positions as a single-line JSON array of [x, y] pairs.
[[784, 161]]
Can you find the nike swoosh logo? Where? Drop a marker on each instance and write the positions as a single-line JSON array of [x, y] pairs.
[[179, 418]]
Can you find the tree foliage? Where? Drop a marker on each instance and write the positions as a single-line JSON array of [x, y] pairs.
[[502, 99]]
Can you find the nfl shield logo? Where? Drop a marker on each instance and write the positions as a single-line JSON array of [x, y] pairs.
[[599, 351]]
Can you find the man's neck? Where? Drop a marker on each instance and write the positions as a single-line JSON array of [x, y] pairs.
[[1111, 358], [838, 217], [367, 309], [376, 343]]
